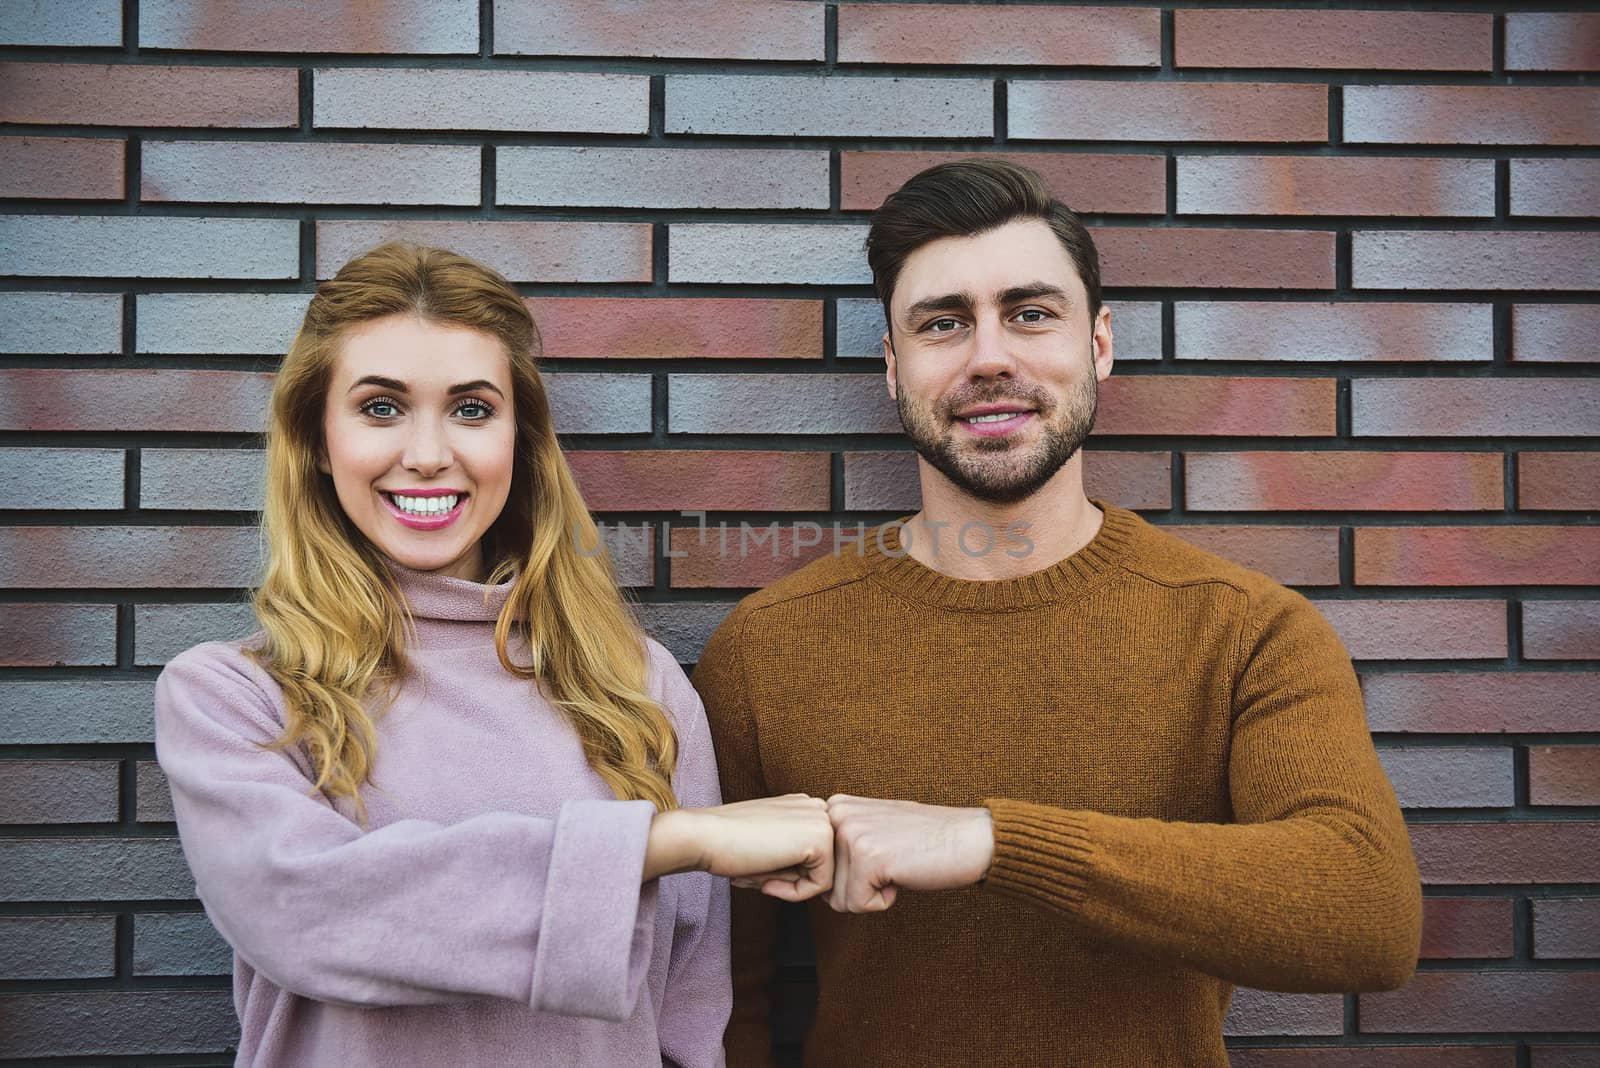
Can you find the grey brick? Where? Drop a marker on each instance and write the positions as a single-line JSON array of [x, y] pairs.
[[513, 100], [115, 246], [1566, 928], [213, 480], [58, 947], [599, 404], [306, 172], [61, 324], [440, 27], [93, 869], [662, 177], [789, 253], [1450, 776], [1263, 1012], [178, 943], [76, 711], [162, 631], [1135, 328], [219, 324], [522, 251], [780, 404], [881, 481], [128, 557], [683, 627], [153, 800], [632, 549], [829, 106], [58, 635], [82, 23], [58, 791], [64, 478], [113, 1022]]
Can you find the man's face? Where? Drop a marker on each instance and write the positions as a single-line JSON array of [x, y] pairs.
[[993, 360]]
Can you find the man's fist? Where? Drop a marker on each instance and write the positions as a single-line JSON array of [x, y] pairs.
[[882, 846]]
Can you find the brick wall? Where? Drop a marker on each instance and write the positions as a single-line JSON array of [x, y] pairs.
[[1353, 259]]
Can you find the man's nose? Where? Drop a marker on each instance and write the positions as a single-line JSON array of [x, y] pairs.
[[991, 355]]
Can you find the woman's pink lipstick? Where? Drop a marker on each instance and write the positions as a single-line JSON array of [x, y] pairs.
[[425, 522]]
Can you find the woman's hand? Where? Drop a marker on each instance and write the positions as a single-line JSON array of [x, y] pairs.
[[780, 845]]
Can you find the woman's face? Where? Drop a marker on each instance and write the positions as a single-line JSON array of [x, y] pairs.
[[420, 440]]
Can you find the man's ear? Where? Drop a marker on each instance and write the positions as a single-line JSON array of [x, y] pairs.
[[888, 363], [1100, 344]]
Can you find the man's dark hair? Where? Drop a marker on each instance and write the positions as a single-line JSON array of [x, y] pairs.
[[964, 198]]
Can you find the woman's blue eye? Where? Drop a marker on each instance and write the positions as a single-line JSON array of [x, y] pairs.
[[474, 410], [379, 409]]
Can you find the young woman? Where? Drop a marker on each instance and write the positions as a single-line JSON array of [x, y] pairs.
[[436, 805]]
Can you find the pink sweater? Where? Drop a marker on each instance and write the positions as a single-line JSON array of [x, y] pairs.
[[492, 912]]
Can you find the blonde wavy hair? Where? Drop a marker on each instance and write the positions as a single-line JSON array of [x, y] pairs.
[[334, 619]]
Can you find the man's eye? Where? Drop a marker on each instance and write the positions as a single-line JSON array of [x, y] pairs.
[[943, 326], [1031, 315]]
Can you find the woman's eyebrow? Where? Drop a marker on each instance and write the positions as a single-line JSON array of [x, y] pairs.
[[378, 380], [476, 384]]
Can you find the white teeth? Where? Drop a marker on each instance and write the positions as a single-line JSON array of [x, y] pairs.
[[995, 418], [425, 506]]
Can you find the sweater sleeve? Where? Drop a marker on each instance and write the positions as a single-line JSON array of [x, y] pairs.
[[720, 678], [1312, 888], [547, 912], [694, 1009]]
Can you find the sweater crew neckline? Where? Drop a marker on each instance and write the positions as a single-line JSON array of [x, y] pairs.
[[885, 557]]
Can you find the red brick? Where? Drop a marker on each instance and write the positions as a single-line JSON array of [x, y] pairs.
[[1471, 115], [1333, 185], [888, 481], [1210, 404], [719, 480], [1438, 1001], [1566, 928], [1344, 481], [626, 328], [1419, 629], [1474, 407], [1467, 927], [1266, 1012], [78, 558], [1564, 775], [1507, 853], [58, 635], [1556, 187], [1102, 184], [736, 556], [1477, 556], [1565, 1056], [1550, 41], [522, 251], [1295, 556], [1465, 702], [1352, 40], [1483, 259], [303, 172], [1224, 259], [1561, 630], [439, 27], [1555, 333], [1042, 37], [153, 797], [1557, 480], [669, 29], [85, 94], [1166, 111], [1377, 1057], [64, 168], [1326, 330], [166, 400]]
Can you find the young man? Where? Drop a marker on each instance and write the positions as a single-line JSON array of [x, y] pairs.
[[1085, 776]]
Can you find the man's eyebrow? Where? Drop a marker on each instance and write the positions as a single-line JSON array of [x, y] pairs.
[[946, 302], [475, 384], [1033, 291]]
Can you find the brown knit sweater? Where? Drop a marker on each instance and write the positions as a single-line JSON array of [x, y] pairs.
[[1185, 797]]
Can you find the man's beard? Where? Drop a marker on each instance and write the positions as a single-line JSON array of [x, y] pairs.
[[998, 470]]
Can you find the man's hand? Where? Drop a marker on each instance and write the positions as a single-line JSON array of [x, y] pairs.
[[882, 846]]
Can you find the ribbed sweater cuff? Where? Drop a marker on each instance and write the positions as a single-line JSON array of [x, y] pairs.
[[1040, 853]]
